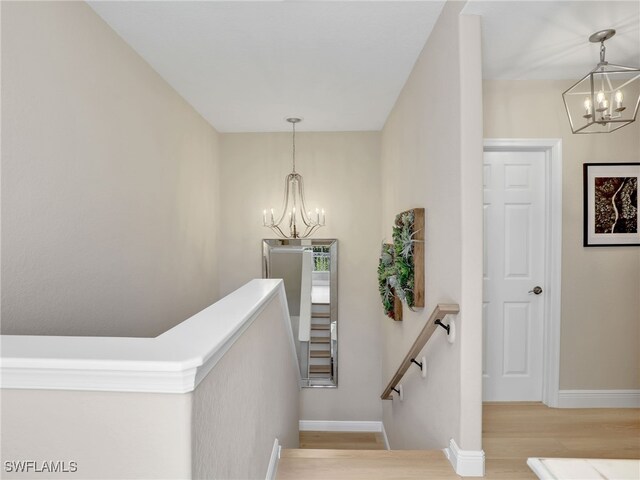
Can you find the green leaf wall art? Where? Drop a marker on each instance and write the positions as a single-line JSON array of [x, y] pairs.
[[401, 266], [387, 282]]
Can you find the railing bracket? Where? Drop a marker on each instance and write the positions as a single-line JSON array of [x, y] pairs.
[[422, 365], [399, 391], [446, 327]]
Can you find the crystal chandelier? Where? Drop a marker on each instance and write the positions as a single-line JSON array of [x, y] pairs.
[[295, 217], [605, 99]]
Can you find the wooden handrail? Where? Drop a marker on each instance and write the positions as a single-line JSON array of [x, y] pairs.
[[441, 310]]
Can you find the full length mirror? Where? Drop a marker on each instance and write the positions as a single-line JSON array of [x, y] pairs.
[[309, 269]]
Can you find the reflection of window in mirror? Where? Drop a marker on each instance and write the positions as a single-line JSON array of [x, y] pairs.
[[320, 282]]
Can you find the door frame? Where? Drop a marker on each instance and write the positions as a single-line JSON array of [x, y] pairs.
[[552, 148]]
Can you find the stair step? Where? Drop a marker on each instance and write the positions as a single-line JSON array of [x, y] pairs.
[[319, 368], [320, 354], [320, 339], [319, 326], [320, 315], [321, 464]]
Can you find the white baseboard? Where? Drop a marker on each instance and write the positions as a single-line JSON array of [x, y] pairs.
[[466, 463], [599, 399], [339, 426], [385, 438], [273, 462]]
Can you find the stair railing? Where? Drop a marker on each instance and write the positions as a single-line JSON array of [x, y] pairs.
[[435, 320]]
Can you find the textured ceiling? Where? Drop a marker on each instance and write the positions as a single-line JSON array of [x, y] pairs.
[[245, 66]]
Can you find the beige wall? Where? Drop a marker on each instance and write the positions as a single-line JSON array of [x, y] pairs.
[[248, 400], [342, 175], [109, 435], [600, 337], [109, 183], [429, 156]]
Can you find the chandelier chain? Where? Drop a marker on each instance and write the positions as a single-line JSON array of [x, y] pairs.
[[294, 147]]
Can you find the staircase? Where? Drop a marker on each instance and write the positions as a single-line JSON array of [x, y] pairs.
[[310, 464], [320, 366]]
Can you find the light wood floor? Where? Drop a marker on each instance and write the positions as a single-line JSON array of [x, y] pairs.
[[511, 433], [342, 440], [311, 464]]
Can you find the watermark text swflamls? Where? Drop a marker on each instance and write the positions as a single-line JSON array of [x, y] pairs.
[[26, 466]]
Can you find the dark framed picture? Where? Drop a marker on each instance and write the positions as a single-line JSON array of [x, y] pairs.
[[611, 204]]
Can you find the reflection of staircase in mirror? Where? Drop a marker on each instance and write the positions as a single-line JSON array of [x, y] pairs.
[[320, 365]]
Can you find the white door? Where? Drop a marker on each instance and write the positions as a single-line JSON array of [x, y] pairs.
[[514, 263]]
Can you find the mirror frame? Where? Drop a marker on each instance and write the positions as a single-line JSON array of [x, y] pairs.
[[270, 243]]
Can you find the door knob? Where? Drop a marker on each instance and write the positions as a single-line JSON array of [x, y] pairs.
[[536, 290]]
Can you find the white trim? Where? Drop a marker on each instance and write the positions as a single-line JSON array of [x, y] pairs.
[[339, 426], [385, 438], [539, 469], [599, 399], [584, 468], [466, 463], [553, 262], [174, 362], [272, 469]]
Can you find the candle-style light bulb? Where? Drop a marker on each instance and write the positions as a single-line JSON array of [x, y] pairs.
[[264, 217], [601, 102], [323, 217], [317, 216], [587, 106], [272, 216], [619, 97]]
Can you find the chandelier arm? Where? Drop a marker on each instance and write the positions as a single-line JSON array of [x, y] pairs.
[[309, 230], [623, 68], [620, 87], [315, 227], [285, 201], [303, 213], [306, 233], [278, 232]]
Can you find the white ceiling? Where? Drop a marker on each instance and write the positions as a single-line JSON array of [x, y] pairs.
[[549, 39], [245, 66]]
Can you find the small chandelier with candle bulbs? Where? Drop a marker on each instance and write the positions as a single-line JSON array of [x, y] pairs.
[[294, 218], [605, 99]]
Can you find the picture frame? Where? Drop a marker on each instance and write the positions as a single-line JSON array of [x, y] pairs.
[[611, 205]]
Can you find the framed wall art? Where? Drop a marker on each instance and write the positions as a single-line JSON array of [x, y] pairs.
[[611, 206], [408, 244]]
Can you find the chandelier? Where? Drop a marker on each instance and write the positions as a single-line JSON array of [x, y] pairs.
[[605, 99], [295, 217]]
